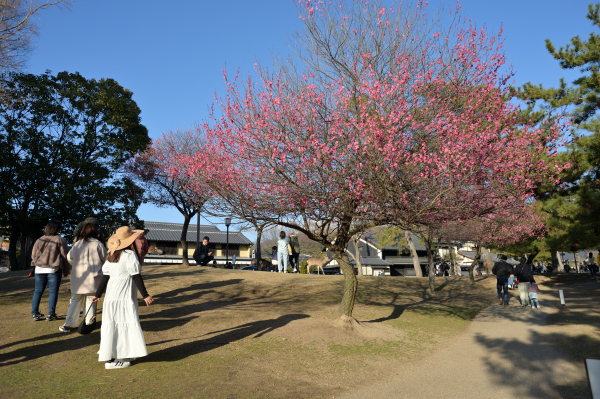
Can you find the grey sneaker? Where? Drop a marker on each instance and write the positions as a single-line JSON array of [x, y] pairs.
[[116, 364], [38, 317], [51, 317]]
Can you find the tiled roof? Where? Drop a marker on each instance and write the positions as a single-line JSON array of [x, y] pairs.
[[372, 238], [406, 260], [157, 231]]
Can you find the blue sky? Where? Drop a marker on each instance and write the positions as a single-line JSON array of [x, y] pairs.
[[170, 54]]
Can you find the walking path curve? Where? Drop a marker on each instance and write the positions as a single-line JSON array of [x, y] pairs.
[[505, 353]]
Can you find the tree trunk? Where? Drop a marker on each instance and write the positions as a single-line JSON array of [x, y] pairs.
[[453, 258], [23, 253], [350, 281], [355, 241], [556, 261], [12, 248], [531, 257], [474, 263], [184, 256], [258, 255], [413, 254], [431, 265], [488, 263], [577, 261]]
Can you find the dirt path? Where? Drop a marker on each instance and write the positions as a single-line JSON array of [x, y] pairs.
[[503, 354]]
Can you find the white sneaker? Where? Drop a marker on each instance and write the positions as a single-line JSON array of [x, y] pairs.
[[117, 364], [65, 329]]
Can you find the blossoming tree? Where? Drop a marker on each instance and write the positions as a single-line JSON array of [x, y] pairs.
[[384, 116]]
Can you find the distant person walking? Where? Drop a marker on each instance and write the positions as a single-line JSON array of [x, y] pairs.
[[49, 256], [592, 266], [524, 274], [140, 245], [203, 254], [295, 256], [273, 258], [121, 336], [282, 252], [502, 270], [87, 256], [533, 294]]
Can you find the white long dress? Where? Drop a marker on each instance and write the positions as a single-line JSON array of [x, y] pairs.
[[121, 334]]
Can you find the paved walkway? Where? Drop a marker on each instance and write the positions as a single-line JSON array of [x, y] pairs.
[[505, 353]]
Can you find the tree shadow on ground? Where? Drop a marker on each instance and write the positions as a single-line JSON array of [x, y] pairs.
[[224, 337], [189, 271], [530, 369], [186, 310], [194, 290]]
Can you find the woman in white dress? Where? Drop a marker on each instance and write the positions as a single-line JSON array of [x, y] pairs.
[[87, 256], [121, 336]]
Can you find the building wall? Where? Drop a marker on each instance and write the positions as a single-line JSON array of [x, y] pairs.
[[244, 249]]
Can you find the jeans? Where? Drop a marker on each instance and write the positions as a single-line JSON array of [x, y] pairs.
[[77, 301], [282, 261], [593, 271], [53, 282], [502, 283], [294, 261], [202, 260]]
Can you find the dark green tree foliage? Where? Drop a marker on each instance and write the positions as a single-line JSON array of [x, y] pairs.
[[574, 207], [63, 141]]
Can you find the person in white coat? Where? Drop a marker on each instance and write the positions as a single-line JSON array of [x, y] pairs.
[[121, 336], [87, 257]]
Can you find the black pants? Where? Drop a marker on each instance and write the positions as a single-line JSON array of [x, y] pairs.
[[202, 260], [294, 261]]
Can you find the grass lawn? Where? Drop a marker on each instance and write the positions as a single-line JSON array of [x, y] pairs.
[[238, 334]]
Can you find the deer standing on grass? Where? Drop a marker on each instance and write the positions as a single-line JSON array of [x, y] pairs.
[[319, 262]]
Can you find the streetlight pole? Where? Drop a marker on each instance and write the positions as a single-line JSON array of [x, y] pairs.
[[227, 223]]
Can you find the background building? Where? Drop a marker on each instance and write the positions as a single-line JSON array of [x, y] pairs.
[[167, 237]]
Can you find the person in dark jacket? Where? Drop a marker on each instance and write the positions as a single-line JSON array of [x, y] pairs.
[[202, 254], [523, 274], [502, 270]]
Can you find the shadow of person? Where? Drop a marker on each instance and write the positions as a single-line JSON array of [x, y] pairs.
[[73, 341], [224, 337]]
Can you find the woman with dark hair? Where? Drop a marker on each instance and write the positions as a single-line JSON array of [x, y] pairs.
[[87, 256], [49, 256], [523, 274], [121, 336]]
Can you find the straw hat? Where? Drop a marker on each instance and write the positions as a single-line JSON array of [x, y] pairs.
[[123, 238]]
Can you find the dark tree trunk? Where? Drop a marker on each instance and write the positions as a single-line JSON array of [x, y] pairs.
[[413, 254], [350, 281], [12, 248], [431, 265], [474, 263], [555, 263], [184, 257], [531, 257], [23, 253], [258, 255]]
